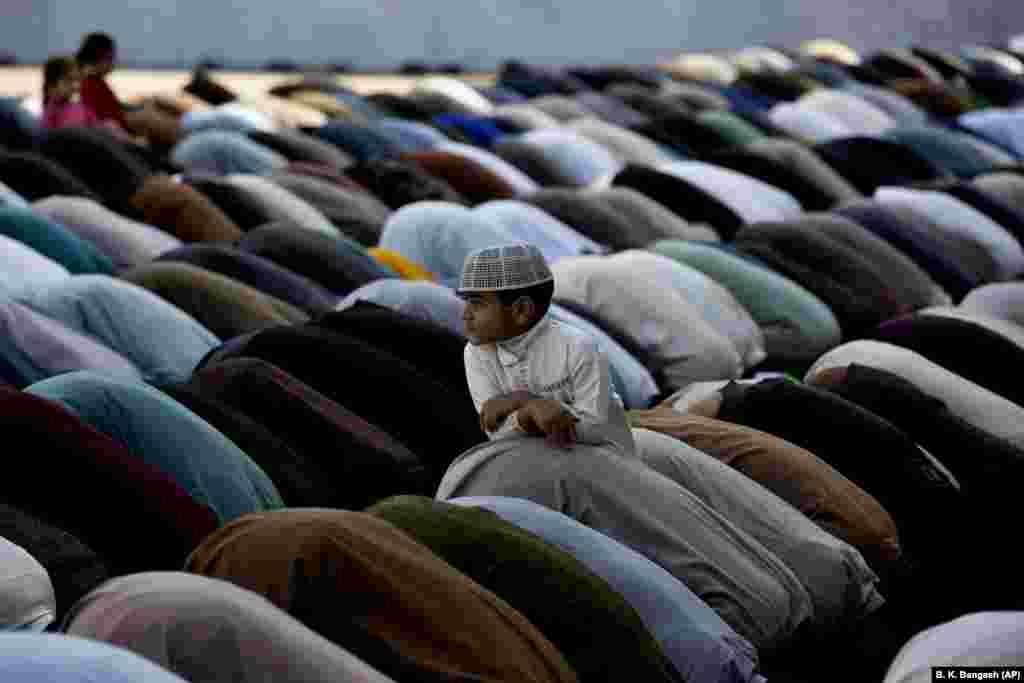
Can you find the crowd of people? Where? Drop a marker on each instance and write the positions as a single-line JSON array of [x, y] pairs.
[[694, 372]]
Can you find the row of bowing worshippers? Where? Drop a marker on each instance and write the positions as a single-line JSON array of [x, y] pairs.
[[231, 335]]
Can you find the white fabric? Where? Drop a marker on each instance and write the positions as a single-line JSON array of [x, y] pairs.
[[417, 298], [963, 221], [987, 54], [841, 585], [969, 401], [33, 104], [1003, 126], [628, 146], [857, 114], [750, 587], [558, 362], [1002, 300], [27, 599], [751, 199], [457, 90], [554, 238], [23, 268], [717, 305], [282, 204], [807, 124], [828, 48], [526, 116], [520, 182], [11, 199], [979, 639], [762, 59], [659, 319], [575, 155], [503, 267], [709, 68]]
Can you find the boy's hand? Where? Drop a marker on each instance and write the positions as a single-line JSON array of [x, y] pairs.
[[498, 408], [551, 419]]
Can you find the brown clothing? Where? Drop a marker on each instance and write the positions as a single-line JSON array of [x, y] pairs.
[[332, 568], [182, 211]]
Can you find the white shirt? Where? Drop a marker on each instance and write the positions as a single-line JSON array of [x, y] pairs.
[[556, 362]]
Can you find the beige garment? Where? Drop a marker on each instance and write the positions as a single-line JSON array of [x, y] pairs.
[[327, 105], [286, 113]]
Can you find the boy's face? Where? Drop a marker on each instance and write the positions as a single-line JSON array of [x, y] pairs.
[[487, 320]]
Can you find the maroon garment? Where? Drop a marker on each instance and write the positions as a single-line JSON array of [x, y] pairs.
[[364, 463], [324, 172], [474, 182], [97, 95], [78, 479]]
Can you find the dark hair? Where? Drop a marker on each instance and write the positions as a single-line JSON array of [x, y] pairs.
[[55, 69], [540, 294], [95, 47]]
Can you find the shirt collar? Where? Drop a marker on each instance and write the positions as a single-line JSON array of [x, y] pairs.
[[512, 351]]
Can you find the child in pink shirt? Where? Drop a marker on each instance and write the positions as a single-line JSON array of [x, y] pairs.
[[61, 106]]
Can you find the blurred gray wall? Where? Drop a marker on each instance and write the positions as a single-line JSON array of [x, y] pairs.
[[482, 33]]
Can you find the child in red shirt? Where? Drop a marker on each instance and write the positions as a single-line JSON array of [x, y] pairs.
[[96, 60]]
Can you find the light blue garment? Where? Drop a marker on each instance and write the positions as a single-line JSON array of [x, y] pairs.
[[439, 236], [633, 382], [900, 108], [554, 238], [413, 133], [1004, 127], [416, 298], [439, 304], [576, 158], [124, 241], [34, 347], [962, 221], [56, 658], [162, 432], [222, 152], [948, 149], [54, 241], [24, 268], [230, 117], [795, 322], [716, 304], [751, 199], [11, 199], [161, 339], [700, 644], [520, 182]]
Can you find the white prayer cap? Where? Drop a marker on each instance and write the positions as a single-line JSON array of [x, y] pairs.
[[27, 600], [503, 267]]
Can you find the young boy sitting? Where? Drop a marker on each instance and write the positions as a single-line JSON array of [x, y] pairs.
[[527, 374]]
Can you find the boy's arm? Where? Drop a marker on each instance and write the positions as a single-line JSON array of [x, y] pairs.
[[491, 403], [592, 386]]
